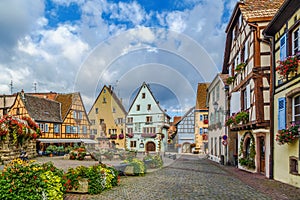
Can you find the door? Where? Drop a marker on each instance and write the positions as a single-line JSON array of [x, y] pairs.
[[262, 154], [150, 146], [186, 148]]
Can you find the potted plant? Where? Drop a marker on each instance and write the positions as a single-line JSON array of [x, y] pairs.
[[242, 116], [230, 120], [240, 67], [230, 79], [60, 150], [287, 66]]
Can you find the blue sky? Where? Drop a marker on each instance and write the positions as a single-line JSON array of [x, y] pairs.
[[80, 45]]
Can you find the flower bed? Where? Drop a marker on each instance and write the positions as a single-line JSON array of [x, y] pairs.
[[28, 180]]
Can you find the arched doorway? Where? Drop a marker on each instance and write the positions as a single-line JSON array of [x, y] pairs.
[[150, 146], [186, 148]]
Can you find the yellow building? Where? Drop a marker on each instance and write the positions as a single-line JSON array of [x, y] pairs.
[[107, 117], [284, 31], [201, 119]]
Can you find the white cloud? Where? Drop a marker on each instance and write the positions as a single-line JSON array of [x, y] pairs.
[[52, 56]]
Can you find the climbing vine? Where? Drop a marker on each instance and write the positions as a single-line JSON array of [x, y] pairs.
[[247, 160]]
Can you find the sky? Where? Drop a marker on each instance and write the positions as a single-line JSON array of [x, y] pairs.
[[81, 45]]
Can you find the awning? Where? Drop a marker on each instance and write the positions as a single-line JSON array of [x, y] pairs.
[[86, 141]]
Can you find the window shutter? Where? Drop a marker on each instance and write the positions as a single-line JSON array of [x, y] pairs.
[[248, 96], [281, 113], [246, 50], [235, 102], [283, 47]]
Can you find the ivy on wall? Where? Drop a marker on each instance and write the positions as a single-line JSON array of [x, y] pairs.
[[247, 159]]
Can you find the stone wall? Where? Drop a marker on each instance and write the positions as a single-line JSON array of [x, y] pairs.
[[9, 151]]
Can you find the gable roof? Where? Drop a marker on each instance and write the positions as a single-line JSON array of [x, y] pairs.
[[286, 11], [147, 86], [201, 96], [41, 109], [113, 95], [7, 101], [251, 11], [66, 101], [185, 115]]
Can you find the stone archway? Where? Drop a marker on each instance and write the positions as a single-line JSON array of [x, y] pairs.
[[150, 146]]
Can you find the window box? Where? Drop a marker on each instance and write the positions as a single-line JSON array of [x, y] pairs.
[[149, 135], [113, 136], [205, 121], [130, 135]]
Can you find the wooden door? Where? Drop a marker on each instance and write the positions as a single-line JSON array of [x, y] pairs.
[[262, 154], [150, 146]]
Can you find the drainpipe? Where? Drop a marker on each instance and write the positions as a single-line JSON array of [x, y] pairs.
[[270, 40]]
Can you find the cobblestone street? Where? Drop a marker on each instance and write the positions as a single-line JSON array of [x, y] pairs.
[[191, 177]]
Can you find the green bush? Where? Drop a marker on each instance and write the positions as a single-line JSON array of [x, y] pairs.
[[138, 166], [153, 161]]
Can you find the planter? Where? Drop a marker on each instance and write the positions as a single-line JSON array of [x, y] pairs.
[[83, 186], [121, 136]]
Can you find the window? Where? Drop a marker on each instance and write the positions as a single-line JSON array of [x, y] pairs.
[[213, 94], [201, 117], [104, 90], [84, 129], [68, 129], [74, 114], [96, 110], [246, 54], [93, 121], [130, 120], [283, 47], [293, 165], [148, 119], [74, 129], [143, 95], [205, 117], [18, 111], [149, 107], [133, 144], [79, 115], [104, 100], [114, 110], [296, 109], [101, 121], [129, 130], [217, 93], [138, 107], [41, 126], [56, 128], [46, 128], [296, 41]]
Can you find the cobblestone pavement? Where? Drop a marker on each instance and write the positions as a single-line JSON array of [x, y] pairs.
[[190, 177]]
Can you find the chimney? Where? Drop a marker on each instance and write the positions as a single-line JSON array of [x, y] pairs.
[[23, 94]]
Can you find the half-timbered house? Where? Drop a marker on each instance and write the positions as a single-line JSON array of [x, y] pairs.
[[247, 61], [284, 31], [186, 132]]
